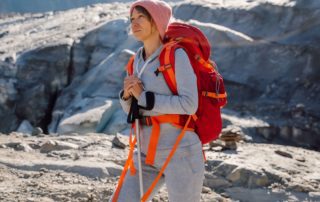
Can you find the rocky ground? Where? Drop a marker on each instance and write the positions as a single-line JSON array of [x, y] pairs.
[[62, 71], [62, 168], [86, 168]]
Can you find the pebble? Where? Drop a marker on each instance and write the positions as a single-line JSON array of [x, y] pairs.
[[117, 143], [283, 153], [44, 170], [206, 190]]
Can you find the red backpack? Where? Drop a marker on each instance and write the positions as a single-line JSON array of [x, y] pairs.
[[207, 121], [212, 94]]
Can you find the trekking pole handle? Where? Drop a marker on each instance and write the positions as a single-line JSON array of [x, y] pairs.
[[134, 111]]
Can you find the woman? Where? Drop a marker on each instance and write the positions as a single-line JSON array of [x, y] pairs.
[[184, 174]]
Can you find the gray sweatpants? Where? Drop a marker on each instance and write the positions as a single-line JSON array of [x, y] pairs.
[[183, 176]]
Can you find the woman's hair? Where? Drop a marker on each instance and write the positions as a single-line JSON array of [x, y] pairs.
[[144, 11]]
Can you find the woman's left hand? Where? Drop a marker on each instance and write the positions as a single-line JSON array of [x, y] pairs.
[[136, 90]]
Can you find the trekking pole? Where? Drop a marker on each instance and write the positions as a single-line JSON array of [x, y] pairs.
[[139, 156], [133, 117]]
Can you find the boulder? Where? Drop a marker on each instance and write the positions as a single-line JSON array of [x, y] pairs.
[[8, 97], [105, 81], [42, 74], [117, 123], [257, 18], [84, 117], [25, 127], [97, 45]]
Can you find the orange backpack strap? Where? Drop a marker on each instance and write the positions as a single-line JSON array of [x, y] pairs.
[[167, 67], [214, 94], [128, 165], [173, 119], [175, 146], [129, 66]]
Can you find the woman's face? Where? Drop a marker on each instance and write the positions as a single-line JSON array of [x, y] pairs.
[[141, 26]]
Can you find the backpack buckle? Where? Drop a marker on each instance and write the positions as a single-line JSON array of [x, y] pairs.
[[162, 68], [205, 93], [167, 66]]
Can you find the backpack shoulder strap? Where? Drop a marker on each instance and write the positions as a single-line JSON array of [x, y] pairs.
[[167, 66], [129, 66]]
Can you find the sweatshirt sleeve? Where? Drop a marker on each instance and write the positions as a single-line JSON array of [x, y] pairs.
[[125, 104], [186, 102]]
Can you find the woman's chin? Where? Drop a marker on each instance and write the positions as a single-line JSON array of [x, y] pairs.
[[138, 37]]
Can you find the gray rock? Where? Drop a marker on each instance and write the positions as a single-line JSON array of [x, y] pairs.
[[117, 143], [268, 132], [315, 195], [117, 123], [47, 146], [23, 147], [97, 45], [297, 133], [301, 187], [107, 117], [8, 97], [56, 146], [248, 178], [307, 4], [300, 158], [104, 82], [42, 73], [283, 153], [230, 135], [3, 146], [205, 190], [216, 182], [84, 116], [7, 70], [258, 194], [37, 131], [25, 127], [285, 132], [290, 17], [224, 169]]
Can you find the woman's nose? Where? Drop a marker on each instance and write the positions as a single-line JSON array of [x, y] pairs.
[[135, 24]]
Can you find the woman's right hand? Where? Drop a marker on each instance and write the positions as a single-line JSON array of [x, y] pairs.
[[128, 83]]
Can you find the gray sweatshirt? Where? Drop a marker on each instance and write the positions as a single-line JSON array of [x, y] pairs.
[[186, 102]]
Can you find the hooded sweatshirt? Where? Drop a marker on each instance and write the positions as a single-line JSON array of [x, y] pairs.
[[186, 102]]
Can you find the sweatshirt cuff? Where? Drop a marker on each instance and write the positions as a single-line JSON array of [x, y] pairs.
[[146, 100], [121, 95], [142, 99]]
